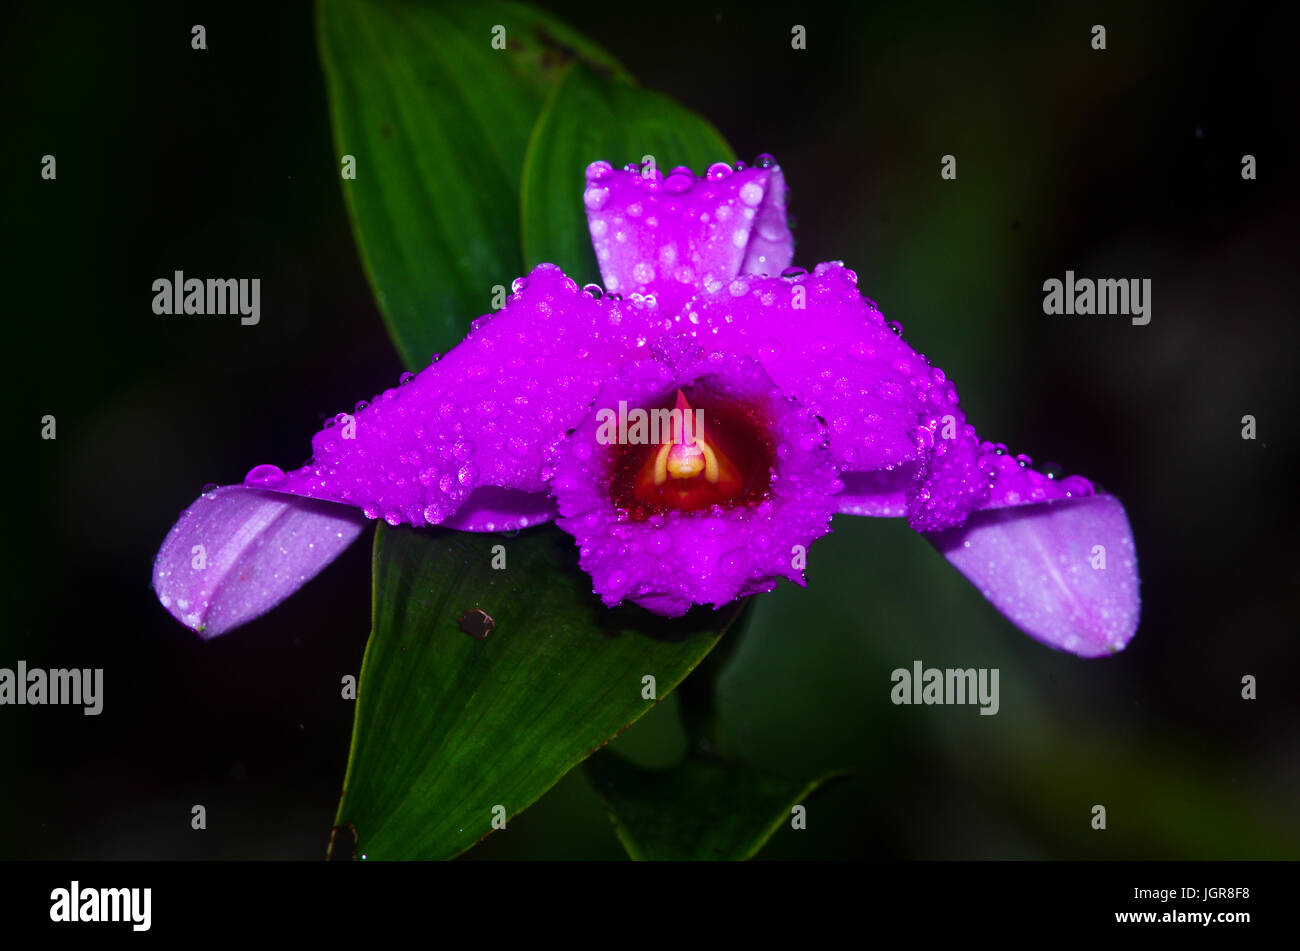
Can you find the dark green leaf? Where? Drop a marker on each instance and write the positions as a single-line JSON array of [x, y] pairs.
[[589, 117], [449, 726], [703, 808], [438, 122]]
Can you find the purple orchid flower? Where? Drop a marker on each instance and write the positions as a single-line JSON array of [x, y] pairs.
[[794, 400]]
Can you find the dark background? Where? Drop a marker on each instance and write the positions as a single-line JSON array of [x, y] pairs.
[[1122, 163]]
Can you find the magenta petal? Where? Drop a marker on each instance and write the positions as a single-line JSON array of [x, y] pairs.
[[493, 509], [671, 236], [237, 552], [1041, 565], [828, 347], [484, 416], [880, 494]]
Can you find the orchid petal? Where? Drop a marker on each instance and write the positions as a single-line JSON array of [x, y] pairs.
[[828, 347], [668, 562], [484, 416], [1063, 571], [493, 509], [671, 236], [237, 552], [471, 431]]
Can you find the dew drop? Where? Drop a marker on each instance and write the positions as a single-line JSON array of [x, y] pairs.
[[599, 171], [1077, 485], [678, 184], [267, 475], [718, 171]]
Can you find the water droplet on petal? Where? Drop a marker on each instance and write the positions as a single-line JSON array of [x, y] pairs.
[[677, 184], [266, 475], [751, 193], [763, 160], [599, 171], [593, 290], [718, 171], [1077, 485]]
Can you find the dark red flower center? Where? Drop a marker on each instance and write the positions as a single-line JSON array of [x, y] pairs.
[[697, 449]]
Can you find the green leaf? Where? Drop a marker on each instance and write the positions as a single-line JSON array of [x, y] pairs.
[[438, 121], [590, 117], [703, 808], [449, 727]]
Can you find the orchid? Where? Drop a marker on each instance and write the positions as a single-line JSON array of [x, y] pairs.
[[795, 401]]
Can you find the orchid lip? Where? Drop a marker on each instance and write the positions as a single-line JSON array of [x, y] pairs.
[[721, 453]]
